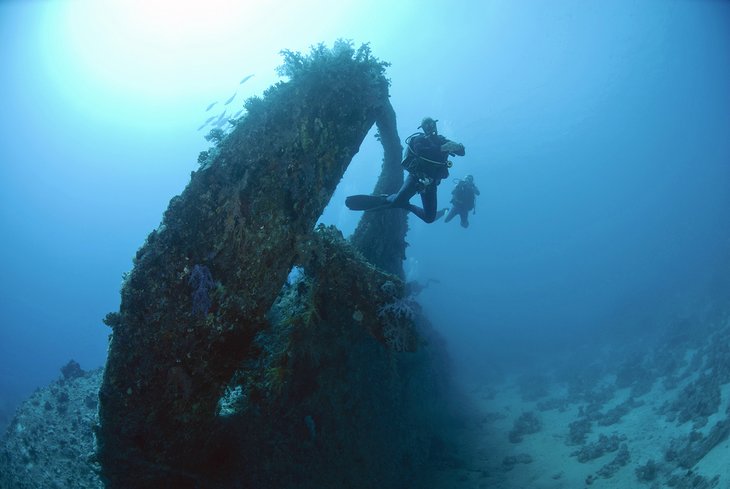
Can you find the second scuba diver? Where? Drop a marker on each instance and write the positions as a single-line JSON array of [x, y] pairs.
[[463, 199]]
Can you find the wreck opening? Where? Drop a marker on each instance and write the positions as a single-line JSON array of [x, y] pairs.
[[359, 178]]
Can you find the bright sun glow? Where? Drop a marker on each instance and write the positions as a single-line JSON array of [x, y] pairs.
[[162, 54], [155, 48]]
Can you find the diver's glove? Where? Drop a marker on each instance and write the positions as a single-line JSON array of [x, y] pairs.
[[452, 147]]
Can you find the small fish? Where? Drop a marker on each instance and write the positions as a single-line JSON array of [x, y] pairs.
[[220, 123], [210, 119], [245, 79], [210, 106], [231, 99], [201, 127], [235, 116]]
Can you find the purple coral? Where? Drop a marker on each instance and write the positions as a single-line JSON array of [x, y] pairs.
[[201, 281]]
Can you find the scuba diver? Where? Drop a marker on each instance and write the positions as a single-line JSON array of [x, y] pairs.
[[426, 160], [463, 199]]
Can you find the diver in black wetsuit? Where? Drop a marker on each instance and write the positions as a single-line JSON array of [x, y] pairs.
[[426, 160], [463, 199]]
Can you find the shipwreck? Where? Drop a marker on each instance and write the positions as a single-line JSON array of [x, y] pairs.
[[223, 370]]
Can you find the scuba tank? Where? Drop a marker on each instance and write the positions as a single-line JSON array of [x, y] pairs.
[[420, 166]]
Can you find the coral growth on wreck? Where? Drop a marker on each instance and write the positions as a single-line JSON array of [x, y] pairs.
[[220, 373]]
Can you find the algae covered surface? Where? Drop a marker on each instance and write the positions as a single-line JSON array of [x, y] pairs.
[[207, 385]]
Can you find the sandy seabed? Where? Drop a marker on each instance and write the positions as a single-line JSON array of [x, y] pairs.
[[547, 460]]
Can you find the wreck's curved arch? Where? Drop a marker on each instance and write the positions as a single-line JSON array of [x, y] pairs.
[[243, 221]]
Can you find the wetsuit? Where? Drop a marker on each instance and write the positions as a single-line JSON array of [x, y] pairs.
[[427, 166], [462, 200]]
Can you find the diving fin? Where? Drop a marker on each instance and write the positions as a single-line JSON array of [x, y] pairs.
[[367, 202]]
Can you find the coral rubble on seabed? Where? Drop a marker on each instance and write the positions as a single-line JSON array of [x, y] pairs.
[[50, 442], [612, 420]]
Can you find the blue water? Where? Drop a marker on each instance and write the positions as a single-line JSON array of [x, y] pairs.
[[597, 132]]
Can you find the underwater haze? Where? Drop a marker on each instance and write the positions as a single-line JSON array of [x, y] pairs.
[[597, 132]]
